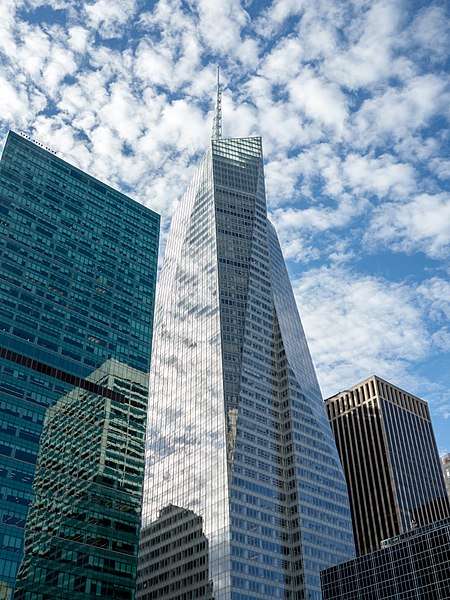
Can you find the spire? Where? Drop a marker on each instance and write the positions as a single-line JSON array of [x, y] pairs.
[[217, 122]]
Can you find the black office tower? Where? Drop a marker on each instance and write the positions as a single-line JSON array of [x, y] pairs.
[[386, 443]]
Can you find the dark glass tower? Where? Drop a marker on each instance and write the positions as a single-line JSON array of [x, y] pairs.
[[238, 433], [77, 281], [411, 566], [385, 439]]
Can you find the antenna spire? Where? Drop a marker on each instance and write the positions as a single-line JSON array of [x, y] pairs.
[[217, 122]]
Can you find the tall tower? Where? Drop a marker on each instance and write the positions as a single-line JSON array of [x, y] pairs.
[[237, 431], [77, 280], [385, 439]]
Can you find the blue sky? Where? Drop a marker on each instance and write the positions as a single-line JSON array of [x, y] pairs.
[[352, 100]]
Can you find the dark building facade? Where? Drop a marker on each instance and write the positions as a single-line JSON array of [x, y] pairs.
[[174, 557], [77, 282], [386, 443], [238, 433], [413, 566]]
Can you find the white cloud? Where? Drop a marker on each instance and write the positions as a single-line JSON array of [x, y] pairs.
[[154, 66], [420, 225], [221, 23], [299, 229], [440, 167], [429, 32], [358, 325], [60, 64], [283, 62], [33, 52], [7, 22], [381, 176], [109, 17], [321, 100], [78, 38], [399, 112], [238, 120], [277, 13], [120, 112], [370, 55], [318, 218], [315, 171], [14, 100], [436, 293]]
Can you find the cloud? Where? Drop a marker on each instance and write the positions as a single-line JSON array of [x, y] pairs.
[[277, 13], [283, 62], [321, 100], [78, 38], [298, 229], [109, 17], [221, 23], [436, 293], [382, 176], [420, 225], [358, 325], [370, 55], [440, 167], [313, 173], [429, 34], [399, 112], [7, 23]]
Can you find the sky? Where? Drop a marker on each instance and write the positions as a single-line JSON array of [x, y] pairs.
[[352, 99]]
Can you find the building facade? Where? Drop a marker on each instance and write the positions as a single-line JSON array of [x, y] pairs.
[[238, 433], [413, 566], [385, 439], [445, 462], [174, 554], [77, 282]]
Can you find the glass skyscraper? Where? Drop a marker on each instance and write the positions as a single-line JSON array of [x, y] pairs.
[[238, 435], [411, 566], [77, 281]]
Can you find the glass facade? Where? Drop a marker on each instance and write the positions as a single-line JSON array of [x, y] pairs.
[[417, 473], [413, 566], [238, 434], [77, 281]]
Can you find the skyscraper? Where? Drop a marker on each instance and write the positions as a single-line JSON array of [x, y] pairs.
[[445, 463], [238, 434], [77, 280], [386, 443]]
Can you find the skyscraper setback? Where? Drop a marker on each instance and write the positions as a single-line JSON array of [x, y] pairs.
[[238, 437], [77, 281]]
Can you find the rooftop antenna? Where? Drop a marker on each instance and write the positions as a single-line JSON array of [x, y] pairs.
[[217, 122]]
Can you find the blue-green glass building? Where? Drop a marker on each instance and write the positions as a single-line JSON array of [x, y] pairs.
[[238, 436], [77, 282]]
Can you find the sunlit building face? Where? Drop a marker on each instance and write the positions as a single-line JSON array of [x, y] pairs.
[[237, 431]]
